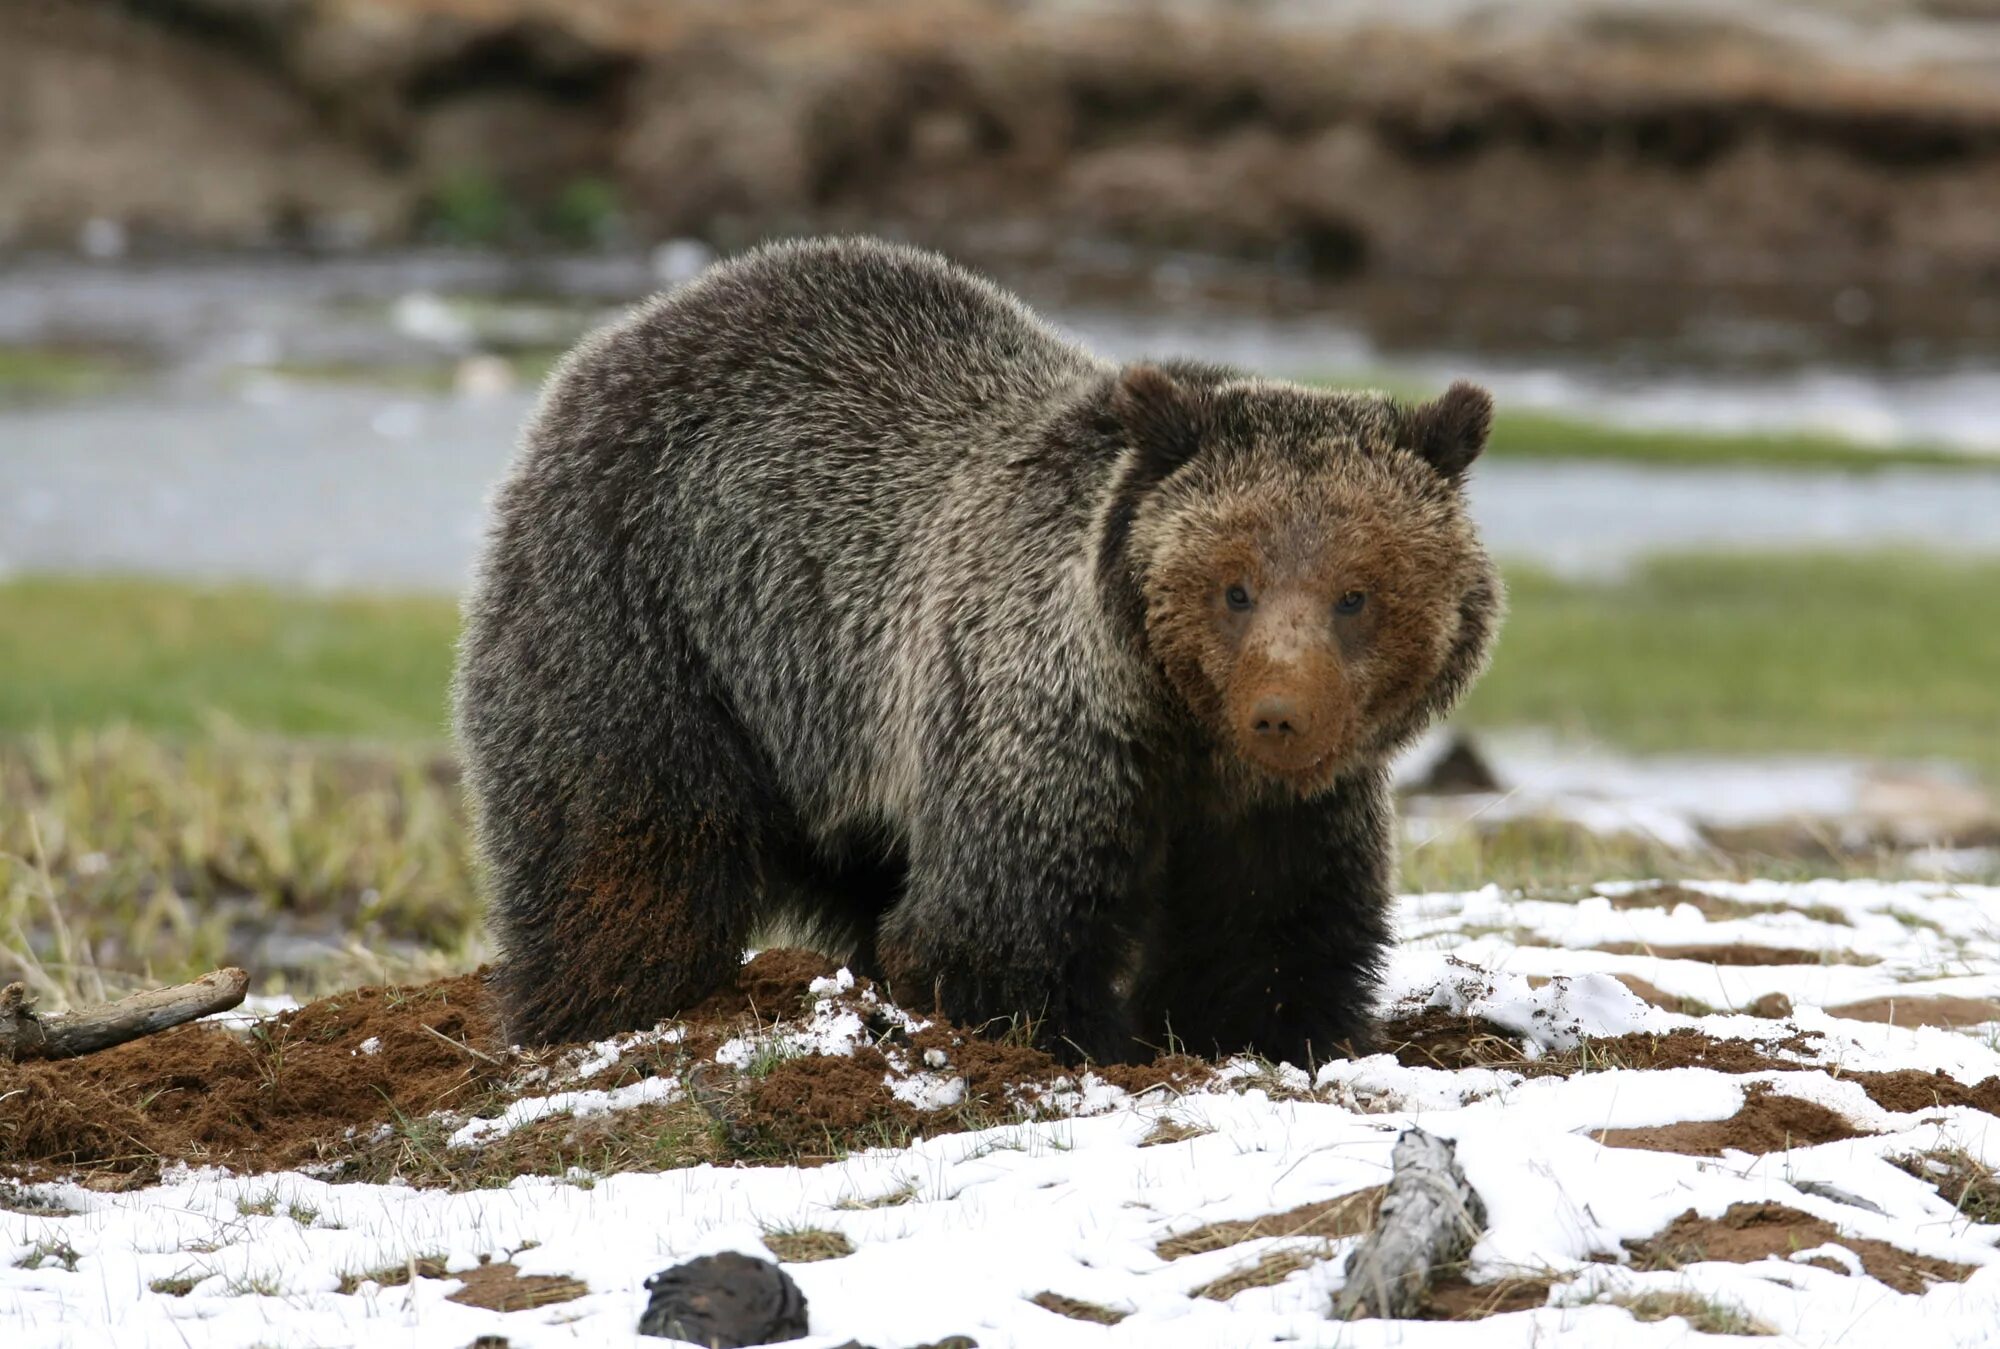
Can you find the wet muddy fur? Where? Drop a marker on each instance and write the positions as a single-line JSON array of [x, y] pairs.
[[836, 588]]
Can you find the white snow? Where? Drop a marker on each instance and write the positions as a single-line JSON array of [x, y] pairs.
[[1673, 798], [1077, 1207]]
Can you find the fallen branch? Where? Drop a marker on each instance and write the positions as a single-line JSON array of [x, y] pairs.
[[1429, 1219], [23, 1035]]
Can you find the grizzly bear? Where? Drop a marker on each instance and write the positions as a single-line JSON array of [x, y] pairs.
[[836, 587]]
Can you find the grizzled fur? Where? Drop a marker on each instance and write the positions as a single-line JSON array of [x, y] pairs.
[[836, 587]]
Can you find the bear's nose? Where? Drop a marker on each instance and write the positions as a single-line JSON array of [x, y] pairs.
[[1277, 717]]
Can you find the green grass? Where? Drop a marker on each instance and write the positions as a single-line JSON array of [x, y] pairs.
[[1537, 435], [166, 657], [177, 773], [1880, 654], [31, 373]]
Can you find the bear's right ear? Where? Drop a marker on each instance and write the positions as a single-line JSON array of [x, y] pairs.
[[1451, 429], [1161, 415]]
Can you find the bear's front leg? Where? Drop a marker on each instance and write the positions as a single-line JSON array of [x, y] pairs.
[[1016, 909], [1273, 929]]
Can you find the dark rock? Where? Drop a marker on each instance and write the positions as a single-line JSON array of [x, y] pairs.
[[1459, 770], [727, 1301]]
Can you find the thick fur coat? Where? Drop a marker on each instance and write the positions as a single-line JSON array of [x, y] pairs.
[[836, 587]]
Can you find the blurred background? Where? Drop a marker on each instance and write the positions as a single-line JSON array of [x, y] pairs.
[[279, 279]]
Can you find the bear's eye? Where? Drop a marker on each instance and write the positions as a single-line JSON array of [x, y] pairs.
[[1238, 597], [1350, 603]]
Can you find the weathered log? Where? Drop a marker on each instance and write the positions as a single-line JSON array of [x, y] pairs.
[[24, 1035], [1429, 1218]]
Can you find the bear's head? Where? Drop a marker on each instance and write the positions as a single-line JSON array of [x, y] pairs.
[[1300, 562]]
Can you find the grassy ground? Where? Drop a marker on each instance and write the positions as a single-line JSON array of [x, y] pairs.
[[189, 775], [1536, 435], [176, 659], [1881, 654]]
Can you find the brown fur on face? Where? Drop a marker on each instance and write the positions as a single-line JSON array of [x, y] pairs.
[[1295, 688]]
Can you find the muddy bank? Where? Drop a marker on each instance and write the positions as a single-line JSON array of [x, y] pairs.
[[1578, 140]]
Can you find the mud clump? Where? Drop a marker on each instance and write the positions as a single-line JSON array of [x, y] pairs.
[[1747, 1233], [1766, 1122]]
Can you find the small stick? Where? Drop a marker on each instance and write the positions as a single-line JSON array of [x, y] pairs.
[[1429, 1218], [23, 1035]]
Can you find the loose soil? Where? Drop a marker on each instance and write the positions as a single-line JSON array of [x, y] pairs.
[[1751, 1232], [1766, 1122]]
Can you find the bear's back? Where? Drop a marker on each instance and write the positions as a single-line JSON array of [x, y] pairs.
[[804, 463], [875, 346]]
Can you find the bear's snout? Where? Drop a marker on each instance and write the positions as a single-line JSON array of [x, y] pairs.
[[1289, 722], [1278, 717]]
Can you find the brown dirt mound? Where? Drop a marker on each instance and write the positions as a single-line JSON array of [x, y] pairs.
[[1452, 1298], [1767, 1122], [1716, 908], [1947, 1012], [1751, 1232], [283, 1095], [318, 1084], [1909, 1090], [776, 984], [1435, 1038], [1736, 954], [503, 1288]]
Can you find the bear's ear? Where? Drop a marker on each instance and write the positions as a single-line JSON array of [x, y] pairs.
[[1162, 416], [1451, 429]]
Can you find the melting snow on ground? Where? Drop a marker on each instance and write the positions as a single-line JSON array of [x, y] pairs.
[[955, 1235]]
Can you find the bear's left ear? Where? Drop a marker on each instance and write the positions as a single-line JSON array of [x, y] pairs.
[[1451, 429], [1161, 415]]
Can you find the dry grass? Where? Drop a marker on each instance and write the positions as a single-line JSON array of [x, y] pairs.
[[125, 861], [1705, 1316], [1165, 1131], [805, 1245], [1961, 1179], [1349, 1215], [1274, 1268], [1076, 1309]]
